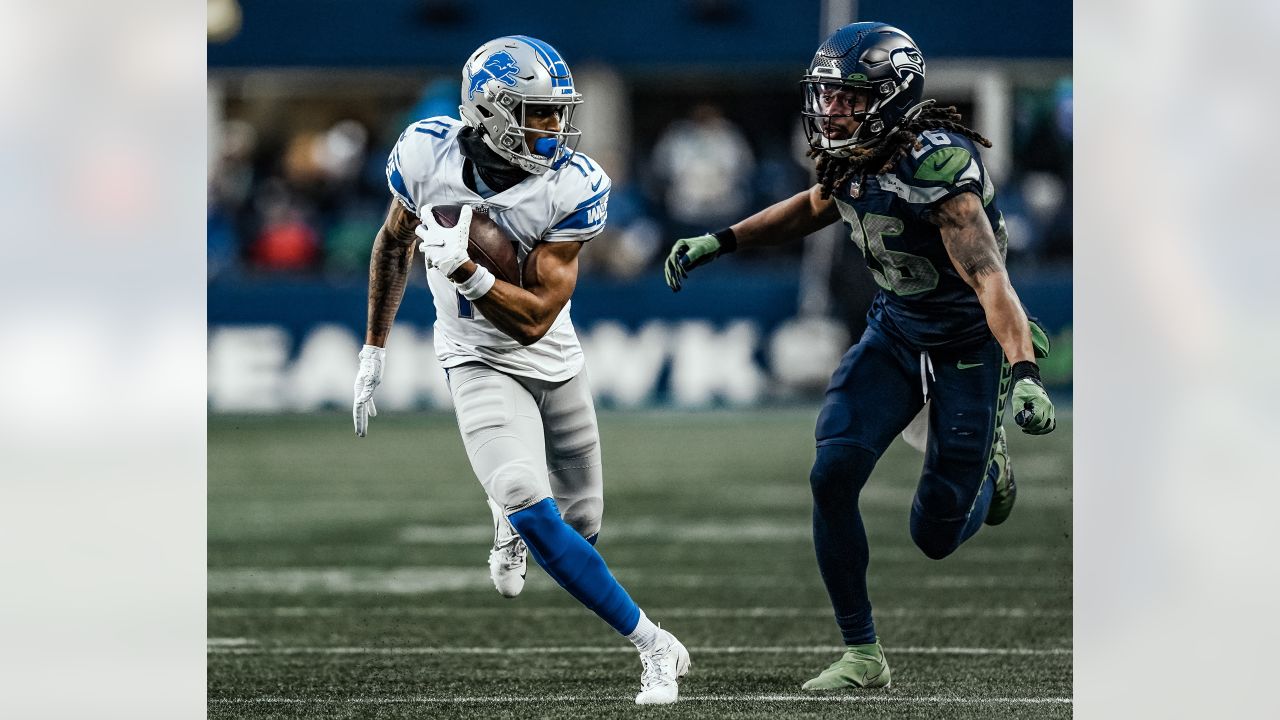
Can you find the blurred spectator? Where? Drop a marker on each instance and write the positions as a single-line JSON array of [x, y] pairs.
[[286, 242], [302, 188], [632, 241], [705, 166]]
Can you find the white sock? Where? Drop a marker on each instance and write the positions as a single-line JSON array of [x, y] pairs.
[[645, 636]]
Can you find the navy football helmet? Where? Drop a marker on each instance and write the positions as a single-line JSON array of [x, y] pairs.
[[869, 71]]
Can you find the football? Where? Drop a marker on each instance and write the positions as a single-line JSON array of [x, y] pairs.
[[489, 245]]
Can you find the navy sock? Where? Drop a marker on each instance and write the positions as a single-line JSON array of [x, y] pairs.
[[573, 563], [839, 538]]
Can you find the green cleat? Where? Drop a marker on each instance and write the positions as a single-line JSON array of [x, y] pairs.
[[861, 666], [1006, 490]]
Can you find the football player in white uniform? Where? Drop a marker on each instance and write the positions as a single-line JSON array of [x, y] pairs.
[[513, 361]]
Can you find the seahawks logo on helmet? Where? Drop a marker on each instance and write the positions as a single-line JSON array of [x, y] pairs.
[[499, 66], [907, 60]]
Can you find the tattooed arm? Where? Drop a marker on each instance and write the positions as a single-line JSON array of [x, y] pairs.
[[967, 235], [389, 271]]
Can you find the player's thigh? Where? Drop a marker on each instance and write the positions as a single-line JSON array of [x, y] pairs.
[[966, 403], [573, 453], [502, 432], [873, 394]]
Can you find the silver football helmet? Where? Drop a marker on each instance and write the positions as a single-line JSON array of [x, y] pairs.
[[504, 83]]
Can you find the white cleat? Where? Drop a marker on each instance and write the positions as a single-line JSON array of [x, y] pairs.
[[507, 559], [664, 665]]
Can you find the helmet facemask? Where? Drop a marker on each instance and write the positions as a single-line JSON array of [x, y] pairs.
[[828, 99]]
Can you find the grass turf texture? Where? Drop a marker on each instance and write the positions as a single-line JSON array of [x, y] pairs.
[[347, 578]]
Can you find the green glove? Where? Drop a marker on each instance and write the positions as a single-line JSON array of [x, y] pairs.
[[687, 254], [1035, 409]]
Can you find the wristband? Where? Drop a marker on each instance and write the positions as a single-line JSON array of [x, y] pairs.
[[480, 282], [728, 240], [1025, 369]]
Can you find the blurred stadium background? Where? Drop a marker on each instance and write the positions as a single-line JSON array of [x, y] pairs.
[[692, 107]]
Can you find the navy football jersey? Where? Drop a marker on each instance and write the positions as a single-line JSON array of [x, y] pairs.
[[922, 298]]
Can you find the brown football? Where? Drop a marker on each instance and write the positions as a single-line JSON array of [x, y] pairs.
[[489, 244]]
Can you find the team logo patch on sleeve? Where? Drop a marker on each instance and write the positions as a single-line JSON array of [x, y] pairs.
[[499, 66]]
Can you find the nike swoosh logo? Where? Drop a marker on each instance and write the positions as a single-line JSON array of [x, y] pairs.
[[966, 366], [596, 186], [940, 165]]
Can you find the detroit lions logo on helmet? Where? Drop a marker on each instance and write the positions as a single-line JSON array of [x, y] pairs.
[[907, 60], [499, 66]]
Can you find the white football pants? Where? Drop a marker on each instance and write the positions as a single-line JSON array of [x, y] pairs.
[[532, 439]]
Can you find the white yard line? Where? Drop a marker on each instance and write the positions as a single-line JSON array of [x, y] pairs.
[[1012, 613], [230, 642], [418, 580], [599, 650], [705, 532], [767, 698]]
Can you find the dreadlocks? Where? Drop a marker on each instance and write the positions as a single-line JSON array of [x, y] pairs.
[[883, 155]]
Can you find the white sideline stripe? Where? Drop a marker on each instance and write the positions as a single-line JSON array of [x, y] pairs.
[[230, 642], [776, 698], [682, 612], [598, 650], [711, 532], [418, 580]]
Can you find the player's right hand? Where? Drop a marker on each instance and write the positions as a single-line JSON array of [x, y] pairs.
[[445, 248], [368, 377], [687, 254], [1035, 409]]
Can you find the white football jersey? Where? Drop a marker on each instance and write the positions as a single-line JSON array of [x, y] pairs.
[[566, 204]]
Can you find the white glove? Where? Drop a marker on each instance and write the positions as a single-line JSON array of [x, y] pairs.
[[445, 248], [368, 377]]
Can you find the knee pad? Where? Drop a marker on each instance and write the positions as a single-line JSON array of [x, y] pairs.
[[583, 515], [516, 485], [840, 469]]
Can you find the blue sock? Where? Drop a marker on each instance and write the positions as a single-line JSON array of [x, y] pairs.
[[573, 563]]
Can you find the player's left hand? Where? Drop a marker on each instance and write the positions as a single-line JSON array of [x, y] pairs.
[[368, 378], [687, 254], [445, 248], [1035, 409]]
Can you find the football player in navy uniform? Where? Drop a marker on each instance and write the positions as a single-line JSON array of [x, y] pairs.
[[945, 326]]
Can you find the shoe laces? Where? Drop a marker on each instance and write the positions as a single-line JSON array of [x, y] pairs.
[[511, 555], [652, 662]]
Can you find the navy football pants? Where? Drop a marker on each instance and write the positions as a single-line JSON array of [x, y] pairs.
[[873, 395]]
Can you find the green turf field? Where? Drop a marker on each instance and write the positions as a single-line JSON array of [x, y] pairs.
[[348, 578]]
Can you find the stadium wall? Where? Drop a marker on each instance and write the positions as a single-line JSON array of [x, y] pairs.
[[730, 339]]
